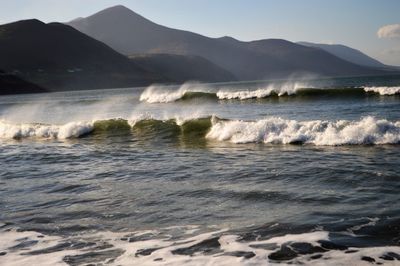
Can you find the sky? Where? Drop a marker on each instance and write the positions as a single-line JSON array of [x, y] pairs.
[[350, 22]]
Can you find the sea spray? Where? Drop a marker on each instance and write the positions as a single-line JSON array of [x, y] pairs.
[[163, 94]]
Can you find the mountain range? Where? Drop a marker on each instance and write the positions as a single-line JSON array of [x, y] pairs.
[[118, 48], [129, 33], [57, 57]]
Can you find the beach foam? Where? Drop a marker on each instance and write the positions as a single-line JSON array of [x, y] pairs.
[[218, 247]]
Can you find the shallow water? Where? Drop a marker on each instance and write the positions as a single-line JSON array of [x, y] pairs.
[[102, 177]]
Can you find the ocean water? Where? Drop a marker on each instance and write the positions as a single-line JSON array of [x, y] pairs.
[[256, 173]]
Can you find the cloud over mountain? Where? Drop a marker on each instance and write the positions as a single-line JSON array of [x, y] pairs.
[[389, 31]]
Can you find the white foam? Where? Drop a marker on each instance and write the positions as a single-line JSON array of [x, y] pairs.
[[383, 90], [280, 90], [16, 257], [372, 222], [164, 247], [69, 130], [368, 130]]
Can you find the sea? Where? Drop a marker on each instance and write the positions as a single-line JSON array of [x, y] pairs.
[[279, 172]]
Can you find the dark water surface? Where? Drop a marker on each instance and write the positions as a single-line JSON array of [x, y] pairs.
[[101, 177]]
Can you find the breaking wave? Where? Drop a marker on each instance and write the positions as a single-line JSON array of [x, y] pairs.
[[383, 90], [272, 130], [156, 94], [160, 95], [198, 126], [37, 130], [368, 130]]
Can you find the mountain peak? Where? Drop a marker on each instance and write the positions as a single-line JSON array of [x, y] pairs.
[[118, 9], [110, 15]]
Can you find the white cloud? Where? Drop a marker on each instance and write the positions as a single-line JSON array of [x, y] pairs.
[[389, 31]]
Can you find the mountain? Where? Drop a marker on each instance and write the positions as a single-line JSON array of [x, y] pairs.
[[183, 68], [130, 33], [347, 53], [58, 57], [11, 84]]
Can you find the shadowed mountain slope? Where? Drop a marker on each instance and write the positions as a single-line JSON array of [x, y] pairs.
[[10, 84], [59, 57], [130, 33]]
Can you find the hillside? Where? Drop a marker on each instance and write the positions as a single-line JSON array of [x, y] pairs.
[[11, 84], [58, 57], [183, 68], [347, 53]]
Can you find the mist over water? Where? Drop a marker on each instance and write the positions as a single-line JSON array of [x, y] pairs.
[[243, 173]]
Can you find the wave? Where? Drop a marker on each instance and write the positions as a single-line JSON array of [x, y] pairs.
[[159, 95], [198, 126], [156, 94], [190, 247], [273, 130]]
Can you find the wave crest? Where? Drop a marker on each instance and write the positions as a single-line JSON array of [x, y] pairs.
[[160, 94], [272, 90], [155, 94], [383, 90], [368, 130]]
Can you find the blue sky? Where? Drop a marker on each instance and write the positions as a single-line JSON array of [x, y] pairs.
[[350, 22]]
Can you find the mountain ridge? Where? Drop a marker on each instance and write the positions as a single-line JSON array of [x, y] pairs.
[[130, 33], [347, 53]]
